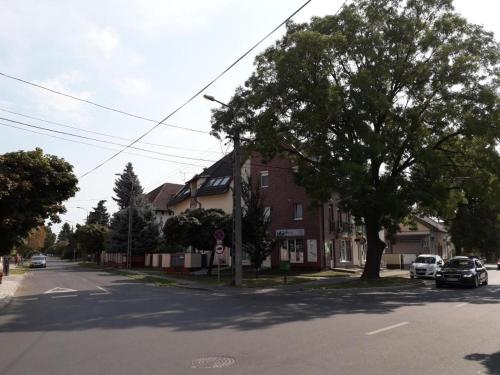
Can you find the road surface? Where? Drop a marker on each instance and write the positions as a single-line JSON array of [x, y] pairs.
[[69, 320]]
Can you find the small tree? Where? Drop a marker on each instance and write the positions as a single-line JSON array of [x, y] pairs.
[[127, 182], [91, 238], [257, 241], [65, 233], [196, 228], [99, 215], [50, 240], [33, 186]]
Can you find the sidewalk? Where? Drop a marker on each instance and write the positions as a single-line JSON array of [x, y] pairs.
[[8, 287]]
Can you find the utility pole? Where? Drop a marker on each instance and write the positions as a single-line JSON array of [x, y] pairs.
[[237, 239], [130, 212]]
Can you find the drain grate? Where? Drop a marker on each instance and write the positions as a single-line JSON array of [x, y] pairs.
[[212, 362]]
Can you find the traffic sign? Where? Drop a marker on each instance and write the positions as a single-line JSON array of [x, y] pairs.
[[219, 249], [219, 235]]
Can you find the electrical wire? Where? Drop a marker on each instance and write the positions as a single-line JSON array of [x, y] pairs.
[[100, 105], [99, 133], [101, 147], [198, 92], [102, 141]]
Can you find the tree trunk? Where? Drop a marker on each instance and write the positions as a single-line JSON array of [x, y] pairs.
[[375, 248], [211, 263]]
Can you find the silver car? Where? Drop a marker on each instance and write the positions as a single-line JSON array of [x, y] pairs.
[[38, 261], [425, 265]]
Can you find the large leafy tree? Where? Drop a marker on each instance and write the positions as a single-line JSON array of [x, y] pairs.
[[126, 183], [99, 215], [33, 186], [376, 103]]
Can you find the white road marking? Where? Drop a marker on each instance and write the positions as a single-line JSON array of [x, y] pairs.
[[59, 290], [65, 296], [461, 304], [30, 299], [104, 292], [387, 328]]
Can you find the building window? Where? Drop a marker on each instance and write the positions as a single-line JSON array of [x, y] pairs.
[[292, 250], [345, 251], [267, 213], [297, 211], [264, 179]]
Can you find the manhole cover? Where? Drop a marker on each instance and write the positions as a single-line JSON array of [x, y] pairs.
[[212, 362]]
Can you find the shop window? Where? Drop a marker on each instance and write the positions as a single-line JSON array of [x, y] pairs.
[[292, 250]]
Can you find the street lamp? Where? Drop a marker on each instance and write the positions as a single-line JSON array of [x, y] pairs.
[[130, 209], [237, 238]]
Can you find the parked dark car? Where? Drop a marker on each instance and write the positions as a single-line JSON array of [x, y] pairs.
[[462, 271], [498, 264]]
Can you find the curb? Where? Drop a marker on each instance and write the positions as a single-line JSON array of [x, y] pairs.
[[5, 301], [380, 288]]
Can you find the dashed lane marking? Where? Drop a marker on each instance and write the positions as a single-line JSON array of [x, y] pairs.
[[65, 296], [462, 304], [104, 292], [29, 299], [387, 328]]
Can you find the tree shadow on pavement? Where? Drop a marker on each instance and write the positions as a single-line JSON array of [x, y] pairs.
[[491, 362]]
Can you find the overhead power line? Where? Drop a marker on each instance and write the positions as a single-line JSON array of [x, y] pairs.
[[199, 91], [101, 147], [102, 141], [103, 134], [99, 105]]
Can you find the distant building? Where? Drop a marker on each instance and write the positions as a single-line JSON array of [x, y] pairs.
[[159, 198], [427, 236]]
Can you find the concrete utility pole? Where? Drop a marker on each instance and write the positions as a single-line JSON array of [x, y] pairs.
[[129, 236], [238, 268]]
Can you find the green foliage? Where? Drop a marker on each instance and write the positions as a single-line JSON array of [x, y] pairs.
[[33, 186], [90, 238], [196, 228], [99, 215], [145, 232], [65, 233], [258, 243], [124, 185], [50, 240], [379, 104]]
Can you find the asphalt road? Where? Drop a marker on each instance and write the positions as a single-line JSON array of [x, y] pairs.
[[67, 320]]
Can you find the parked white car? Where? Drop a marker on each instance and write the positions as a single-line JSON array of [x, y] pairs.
[[425, 265]]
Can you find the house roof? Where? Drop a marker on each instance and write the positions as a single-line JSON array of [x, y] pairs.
[[433, 223], [218, 179], [160, 196]]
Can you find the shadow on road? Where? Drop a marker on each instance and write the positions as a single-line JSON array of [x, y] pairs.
[[491, 362], [132, 304]]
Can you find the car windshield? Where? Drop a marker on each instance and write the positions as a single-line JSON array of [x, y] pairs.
[[38, 258], [459, 263], [428, 260]]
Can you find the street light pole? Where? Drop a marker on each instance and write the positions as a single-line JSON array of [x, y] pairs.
[[238, 268]]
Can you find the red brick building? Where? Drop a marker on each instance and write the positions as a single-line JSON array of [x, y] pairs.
[[316, 237]]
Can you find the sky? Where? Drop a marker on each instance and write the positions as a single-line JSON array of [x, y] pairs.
[[145, 57]]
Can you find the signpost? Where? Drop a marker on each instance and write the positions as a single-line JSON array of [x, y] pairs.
[[219, 248]]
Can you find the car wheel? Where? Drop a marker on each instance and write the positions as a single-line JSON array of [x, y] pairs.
[[485, 282], [476, 282], [439, 285], [411, 276]]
